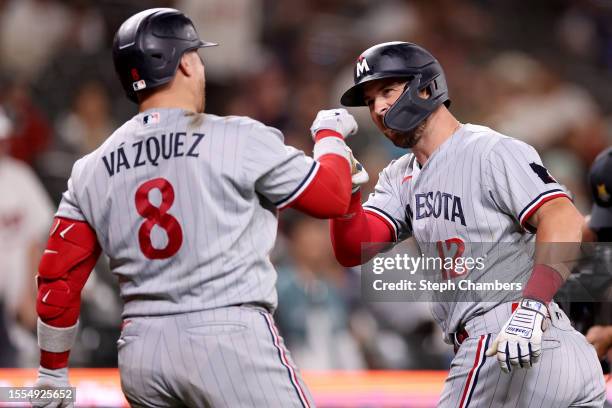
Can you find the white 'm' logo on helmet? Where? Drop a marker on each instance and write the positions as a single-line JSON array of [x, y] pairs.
[[362, 66]]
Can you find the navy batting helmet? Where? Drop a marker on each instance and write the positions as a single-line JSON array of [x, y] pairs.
[[148, 48], [600, 181], [399, 59]]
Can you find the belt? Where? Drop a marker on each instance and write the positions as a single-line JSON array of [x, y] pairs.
[[459, 337], [461, 334]]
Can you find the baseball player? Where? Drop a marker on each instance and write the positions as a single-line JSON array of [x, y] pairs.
[[599, 227], [599, 223], [462, 184], [185, 206]]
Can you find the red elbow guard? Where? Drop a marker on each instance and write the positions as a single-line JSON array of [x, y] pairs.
[[71, 253]]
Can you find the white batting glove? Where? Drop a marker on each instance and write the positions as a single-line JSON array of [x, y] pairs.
[[359, 175], [49, 379], [519, 343], [338, 120]]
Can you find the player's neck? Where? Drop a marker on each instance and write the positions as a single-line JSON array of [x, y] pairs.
[[440, 127], [158, 100]]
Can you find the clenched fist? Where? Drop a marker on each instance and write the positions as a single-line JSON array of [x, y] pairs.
[[338, 120]]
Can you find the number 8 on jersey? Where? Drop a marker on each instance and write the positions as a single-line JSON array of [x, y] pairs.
[[157, 216]]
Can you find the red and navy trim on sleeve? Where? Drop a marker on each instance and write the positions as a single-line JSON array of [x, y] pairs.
[[536, 203], [300, 188], [388, 219]]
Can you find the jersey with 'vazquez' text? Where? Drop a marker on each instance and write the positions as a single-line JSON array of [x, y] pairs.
[[185, 206]]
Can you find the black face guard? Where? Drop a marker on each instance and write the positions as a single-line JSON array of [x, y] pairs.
[[410, 109]]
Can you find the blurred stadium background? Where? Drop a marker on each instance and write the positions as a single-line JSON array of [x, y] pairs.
[[539, 71]]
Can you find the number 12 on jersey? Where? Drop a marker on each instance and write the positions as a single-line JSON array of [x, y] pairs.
[[445, 250], [157, 216]]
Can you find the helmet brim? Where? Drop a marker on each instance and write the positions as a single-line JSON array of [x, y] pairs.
[[204, 44], [354, 95]]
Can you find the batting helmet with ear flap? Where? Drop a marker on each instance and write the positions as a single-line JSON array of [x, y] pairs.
[[148, 47], [399, 59]]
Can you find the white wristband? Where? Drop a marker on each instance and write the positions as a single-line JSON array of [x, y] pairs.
[[331, 145], [56, 339]]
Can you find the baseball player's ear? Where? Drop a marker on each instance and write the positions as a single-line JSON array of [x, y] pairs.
[[186, 64]]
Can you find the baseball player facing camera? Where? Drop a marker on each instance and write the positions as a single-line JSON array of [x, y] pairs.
[[508, 354], [185, 205]]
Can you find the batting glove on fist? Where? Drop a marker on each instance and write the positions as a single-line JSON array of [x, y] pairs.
[[338, 120], [519, 343], [359, 175], [49, 380]]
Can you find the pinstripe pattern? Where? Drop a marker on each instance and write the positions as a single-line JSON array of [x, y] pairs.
[[481, 187], [224, 188], [388, 200], [225, 357], [228, 175], [472, 378], [282, 354], [567, 375], [300, 188], [487, 178]]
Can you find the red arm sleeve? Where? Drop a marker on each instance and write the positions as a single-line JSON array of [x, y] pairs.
[[329, 193], [357, 227]]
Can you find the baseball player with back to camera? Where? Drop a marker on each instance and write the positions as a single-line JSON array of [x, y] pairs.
[[185, 205], [489, 188]]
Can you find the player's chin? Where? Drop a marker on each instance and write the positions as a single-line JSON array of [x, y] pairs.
[[405, 140]]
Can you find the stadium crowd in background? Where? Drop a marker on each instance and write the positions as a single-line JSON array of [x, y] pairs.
[[538, 72]]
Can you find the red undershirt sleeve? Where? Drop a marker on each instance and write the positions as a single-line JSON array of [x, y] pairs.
[[357, 227], [329, 192]]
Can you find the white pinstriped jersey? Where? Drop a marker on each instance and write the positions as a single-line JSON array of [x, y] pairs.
[[479, 186], [185, 206]]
